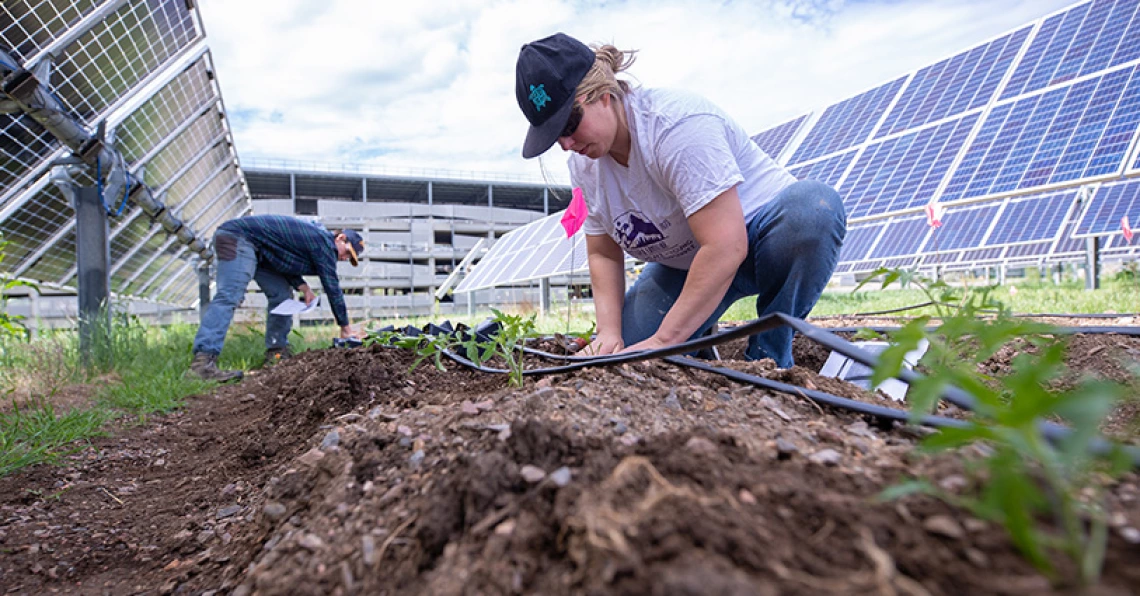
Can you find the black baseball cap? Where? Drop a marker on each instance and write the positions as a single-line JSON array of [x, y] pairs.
[[355, 245], [546, 76]]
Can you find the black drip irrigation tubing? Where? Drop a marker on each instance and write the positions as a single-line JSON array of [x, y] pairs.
[[672, 354], [1133, 331], [879, 313]]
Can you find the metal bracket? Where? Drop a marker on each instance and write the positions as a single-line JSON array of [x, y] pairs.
[[21, 85]]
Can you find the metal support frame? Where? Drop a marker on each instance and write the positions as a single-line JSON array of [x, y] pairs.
[[544, 305], [1092, 263], [93, 254], [203, 287]]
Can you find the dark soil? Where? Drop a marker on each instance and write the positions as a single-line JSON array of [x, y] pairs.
[[341, 472]]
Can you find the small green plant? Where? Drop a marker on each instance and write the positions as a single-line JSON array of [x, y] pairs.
[[476, 351], [424, 346], [1047, 495], [509, 341]]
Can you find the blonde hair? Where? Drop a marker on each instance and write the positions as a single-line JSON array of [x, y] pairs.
[[601, 79]]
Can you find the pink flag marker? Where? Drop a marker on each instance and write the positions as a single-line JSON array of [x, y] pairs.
[[575, 214], [934, 212], [1126, 229]]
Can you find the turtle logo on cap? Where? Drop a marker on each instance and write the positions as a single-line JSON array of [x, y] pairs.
[[538, 97]]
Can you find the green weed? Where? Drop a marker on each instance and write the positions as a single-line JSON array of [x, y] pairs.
[[1046, 495]]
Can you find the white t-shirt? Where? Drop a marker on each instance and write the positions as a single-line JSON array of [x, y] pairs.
[[684, 153]]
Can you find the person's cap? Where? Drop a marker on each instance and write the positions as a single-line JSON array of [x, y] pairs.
[[546, 76], [355, 245]]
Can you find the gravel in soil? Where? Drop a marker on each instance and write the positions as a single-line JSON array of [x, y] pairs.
[[341, 472]]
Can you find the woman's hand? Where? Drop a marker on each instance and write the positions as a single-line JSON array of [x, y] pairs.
[[649, 344], [604, 343]]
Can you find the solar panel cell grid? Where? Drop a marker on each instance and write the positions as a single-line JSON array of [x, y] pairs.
[[28, 26], [1084, 39], [54, 263], [901, 237], [1075, 132], [31, 226], [163, 113], [1108, 206], [903, 172], [954, 85], [962, 228], [829, 170], [24, 145], [1046, 71], [1032, 219], [1028, 250], [182, 149], [775, 139], [847, 123], [105, 63], [858, 242], [207, 194]]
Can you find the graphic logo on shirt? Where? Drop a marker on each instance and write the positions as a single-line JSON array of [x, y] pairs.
[[538, 97], [636, 231]]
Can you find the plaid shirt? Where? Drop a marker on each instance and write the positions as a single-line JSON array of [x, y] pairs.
[[293, 248]]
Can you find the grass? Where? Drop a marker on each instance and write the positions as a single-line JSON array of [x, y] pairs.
[[137, 371]]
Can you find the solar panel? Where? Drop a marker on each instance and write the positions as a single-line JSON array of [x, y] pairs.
[[538, 250], [904, 172], [1104, 211], [119, 52], [847, 123], [1033, 218], [859, 241], [1084, 39], [139, 67], [902, 236], [774, 140], [1074, 133], [955, 85], [829, 170], [962, 228]]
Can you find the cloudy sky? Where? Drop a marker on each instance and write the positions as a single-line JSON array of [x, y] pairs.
[[429, 84]]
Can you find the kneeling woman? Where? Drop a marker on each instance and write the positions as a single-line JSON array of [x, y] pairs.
[[674, 181]]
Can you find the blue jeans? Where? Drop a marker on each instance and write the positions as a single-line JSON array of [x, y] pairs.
[[793, 247], [237, 265]]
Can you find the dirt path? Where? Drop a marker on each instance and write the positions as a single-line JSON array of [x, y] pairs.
[[339, 472]]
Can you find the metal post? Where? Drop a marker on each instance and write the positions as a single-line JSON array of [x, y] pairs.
[[93, 257], [1092, 263], [544, 295], [293, 191], [203, 288]]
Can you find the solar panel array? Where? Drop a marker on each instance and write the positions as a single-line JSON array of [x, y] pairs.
[[1011, 135], [141, 69], [1052, 105]]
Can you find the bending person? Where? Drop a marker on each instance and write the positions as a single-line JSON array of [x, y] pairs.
[[275, 250], [671, 179]]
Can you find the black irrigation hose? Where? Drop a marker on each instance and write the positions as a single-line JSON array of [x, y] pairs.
[[1132, 331], [1018, 315], [1053, 432]]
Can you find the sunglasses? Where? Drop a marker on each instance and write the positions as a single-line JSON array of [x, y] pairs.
[[572, 122]]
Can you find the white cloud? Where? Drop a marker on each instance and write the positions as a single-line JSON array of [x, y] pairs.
[[430, 84]]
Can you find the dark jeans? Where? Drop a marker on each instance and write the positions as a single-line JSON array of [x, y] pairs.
[[793, 247]]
